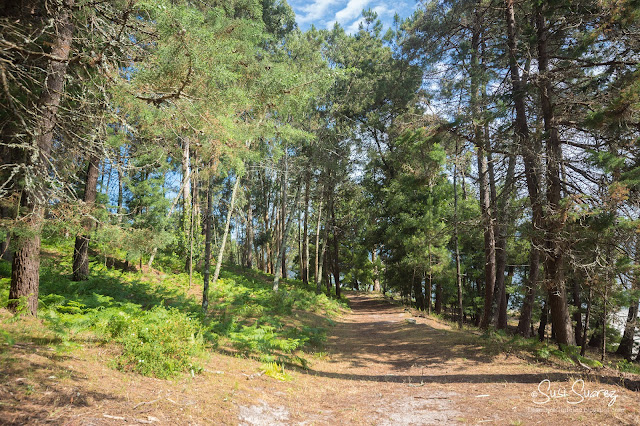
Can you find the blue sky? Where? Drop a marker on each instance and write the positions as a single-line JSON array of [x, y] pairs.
[[323, 13]]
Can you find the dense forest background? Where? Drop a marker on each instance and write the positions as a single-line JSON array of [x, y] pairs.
[[479, 160]]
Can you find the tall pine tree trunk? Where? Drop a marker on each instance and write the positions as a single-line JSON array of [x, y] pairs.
[[283, 245], [250, 234], [554, 260], [376, 273], [577, 315], [455, 237], [336, 246], [25, 279], [318, 260], [483, 178], [283, 223], [305, 231], [81, 249], [503, 207], [187, 208], [207, 245], [531, 168]]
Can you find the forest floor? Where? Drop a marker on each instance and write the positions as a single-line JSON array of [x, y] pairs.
[[377, 368]]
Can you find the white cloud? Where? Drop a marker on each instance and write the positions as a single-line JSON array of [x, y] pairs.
[[315, 11], [383, 10], [351, 11], [354, 27]]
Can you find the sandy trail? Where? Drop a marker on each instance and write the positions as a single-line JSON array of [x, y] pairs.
[[385, 370]]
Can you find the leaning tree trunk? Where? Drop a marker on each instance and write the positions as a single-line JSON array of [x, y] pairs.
[[553, 225], [226, 231], [81, 250], [25, 268]]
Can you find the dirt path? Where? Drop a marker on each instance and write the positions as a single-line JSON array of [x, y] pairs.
[[378, 369], [384, 370]]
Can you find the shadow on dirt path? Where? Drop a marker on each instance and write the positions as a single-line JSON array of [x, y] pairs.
[[426, 372]]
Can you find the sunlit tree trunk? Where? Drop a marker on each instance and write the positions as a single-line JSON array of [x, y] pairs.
[[226, 231]]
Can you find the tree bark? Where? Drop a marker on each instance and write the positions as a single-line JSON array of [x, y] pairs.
[[455, 237], [226, 231], [283, 223], [336, 246], [554, 267], [417, 290], [25, 279], [283, 244], [503, 205], [577, 315], [587, 317], [305, 231], [250, 233], [483, 169], [81, 249], [318, 263], [544, 319], [530, 155], [187, 212], [376, 277], [207, 246], [626, 344], [524, 323], [438, 305]]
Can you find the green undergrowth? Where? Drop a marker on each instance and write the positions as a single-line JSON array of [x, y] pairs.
[[271, 326], [499, 341], [160, 331]]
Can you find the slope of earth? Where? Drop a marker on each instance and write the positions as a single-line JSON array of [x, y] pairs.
[[378, 369]]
